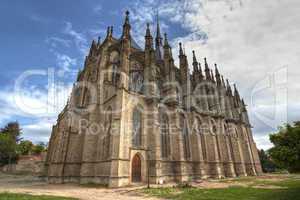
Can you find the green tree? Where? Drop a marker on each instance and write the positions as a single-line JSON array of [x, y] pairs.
[[39, 148], [24, 147], [9, 137], [7, 149], [286, 150], [266, 162], [14, 130]]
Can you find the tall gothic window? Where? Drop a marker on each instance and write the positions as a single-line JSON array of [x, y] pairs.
[[136, 81], [137, 128], [114, 75], [178, 95], [202, 137], [185, 135], [107, 134], [164, 135]]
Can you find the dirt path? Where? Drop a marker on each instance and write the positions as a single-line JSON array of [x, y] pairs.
[[36, 186]]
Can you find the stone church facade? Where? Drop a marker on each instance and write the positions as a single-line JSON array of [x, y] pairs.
[[134, 115]]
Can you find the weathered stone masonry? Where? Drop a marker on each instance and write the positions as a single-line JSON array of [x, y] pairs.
[[124, 119]]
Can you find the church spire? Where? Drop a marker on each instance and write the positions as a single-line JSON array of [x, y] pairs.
[[126, 27], [212, 75], [200, 71], [195, 63], [228, 88], [207, 71], [158, 41], [236, 93], [99, 41], [167, 49], [148, 38], [223, 82], [166, 42], [218, 76], [109, 32], [180, 49]]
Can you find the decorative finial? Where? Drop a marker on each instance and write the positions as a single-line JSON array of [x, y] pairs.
[[127, 18], [108, 30], [216, 70], [166, 40], [126, 26], [111, 30], [194, 56], [180, 49], [148, 32]]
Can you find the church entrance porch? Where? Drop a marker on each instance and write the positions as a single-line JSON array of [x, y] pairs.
[[136, 169]]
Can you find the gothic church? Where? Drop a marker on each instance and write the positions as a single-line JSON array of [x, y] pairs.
[[134, 116]]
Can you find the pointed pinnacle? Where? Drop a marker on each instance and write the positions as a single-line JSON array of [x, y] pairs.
[[180, 49], [212, 75], [166, 40], [200, 68], [223, 82], [127, 18], [194, 57], [216, 70], [205, 62], [108, 31], [148, 32], [111, 30]]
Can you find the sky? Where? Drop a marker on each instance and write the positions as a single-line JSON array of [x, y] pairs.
[[254, 42]]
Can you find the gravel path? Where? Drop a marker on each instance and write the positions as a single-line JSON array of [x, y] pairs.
[[36, 186]]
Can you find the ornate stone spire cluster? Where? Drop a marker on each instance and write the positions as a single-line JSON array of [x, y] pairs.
[[159, 50]]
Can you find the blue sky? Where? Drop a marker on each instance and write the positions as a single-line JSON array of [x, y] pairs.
[[255, 44]]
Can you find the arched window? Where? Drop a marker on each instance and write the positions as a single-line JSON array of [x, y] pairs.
[[107, 133], [114, 75], [136, 128], [165, 135], [178, 95], [114, 57], [202, 137], [185, 135], [136, 81]]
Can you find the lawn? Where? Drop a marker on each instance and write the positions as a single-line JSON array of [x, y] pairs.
[[12, 196], [257, 189]]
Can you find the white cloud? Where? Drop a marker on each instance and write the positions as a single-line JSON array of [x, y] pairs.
[[65, 62], [32, 103], [56, 41], [262, 141], [79, 38], [38, 131]]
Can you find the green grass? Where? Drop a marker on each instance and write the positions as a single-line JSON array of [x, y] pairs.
[[12, 196], [287, 189]]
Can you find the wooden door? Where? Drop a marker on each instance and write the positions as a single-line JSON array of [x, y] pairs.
[[136, 172]]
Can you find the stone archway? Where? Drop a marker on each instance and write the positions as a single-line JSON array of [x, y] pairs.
[[136, 169]]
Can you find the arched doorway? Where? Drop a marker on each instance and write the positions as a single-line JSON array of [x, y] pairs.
[[136, 171]]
